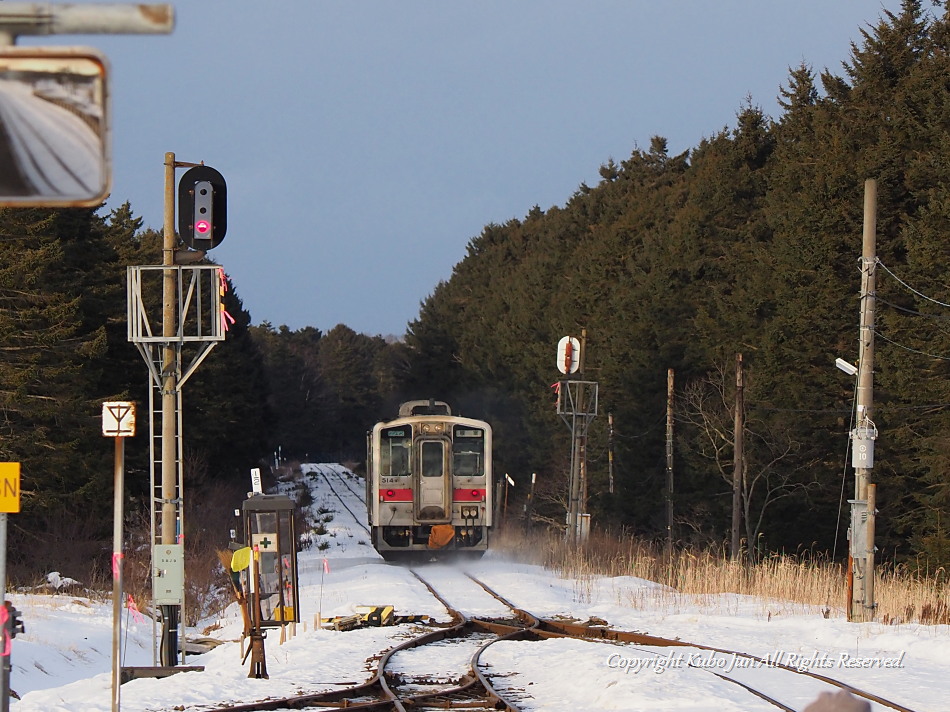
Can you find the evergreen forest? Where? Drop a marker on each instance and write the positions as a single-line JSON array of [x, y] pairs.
[[749, 243]]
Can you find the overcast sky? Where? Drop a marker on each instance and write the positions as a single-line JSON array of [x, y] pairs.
[[365, 142]]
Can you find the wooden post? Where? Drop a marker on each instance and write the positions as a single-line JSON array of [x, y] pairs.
[[669, 462], [169, 430], [738, 460], [861, 546], [610, 453]]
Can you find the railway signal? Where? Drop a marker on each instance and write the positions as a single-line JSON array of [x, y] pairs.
[[202, 207], [568, 355]]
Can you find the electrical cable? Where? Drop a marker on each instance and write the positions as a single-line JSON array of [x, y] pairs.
[[908, 348], [907, 286], [911, 311], [844, 477]]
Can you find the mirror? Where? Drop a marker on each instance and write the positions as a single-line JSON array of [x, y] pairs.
[[54, 127]]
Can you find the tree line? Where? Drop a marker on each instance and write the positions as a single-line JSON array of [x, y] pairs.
[[64, 350], [747, 243]]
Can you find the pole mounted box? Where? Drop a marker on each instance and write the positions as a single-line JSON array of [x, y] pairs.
[[202, 207], [168, 574]]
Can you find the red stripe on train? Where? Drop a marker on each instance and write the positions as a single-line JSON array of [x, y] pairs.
[[469, 495], [405, 495]]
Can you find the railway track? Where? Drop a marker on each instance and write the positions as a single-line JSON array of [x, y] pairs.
[[331, 476], [454, 666], [398, 684], [449, 667], [711, 659]]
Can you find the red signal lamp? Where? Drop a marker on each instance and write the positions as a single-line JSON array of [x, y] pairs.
[[202, 227]]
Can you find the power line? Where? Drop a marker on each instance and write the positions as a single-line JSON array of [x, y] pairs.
[[912, 311], [907, 286], [908, 348]]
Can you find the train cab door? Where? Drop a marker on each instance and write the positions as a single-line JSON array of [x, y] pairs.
[[433, 490]]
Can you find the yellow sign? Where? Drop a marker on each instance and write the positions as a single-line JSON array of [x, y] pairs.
[[9, 487]]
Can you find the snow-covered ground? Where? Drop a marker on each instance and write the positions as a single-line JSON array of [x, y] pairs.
[[63, 663]]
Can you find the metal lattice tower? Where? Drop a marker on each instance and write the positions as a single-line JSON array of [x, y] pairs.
[[198, 327]]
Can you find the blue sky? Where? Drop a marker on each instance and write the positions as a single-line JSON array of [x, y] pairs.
[[366, 142]]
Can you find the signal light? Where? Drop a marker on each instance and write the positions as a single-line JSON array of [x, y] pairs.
[[12, 621], [202, 207]]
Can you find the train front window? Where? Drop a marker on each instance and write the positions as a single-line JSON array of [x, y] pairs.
[[468, 452], [432, 459], [395, 445]]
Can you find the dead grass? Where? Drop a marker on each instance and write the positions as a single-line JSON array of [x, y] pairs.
[[781, 583]]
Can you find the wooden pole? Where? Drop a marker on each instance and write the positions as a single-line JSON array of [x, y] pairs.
[[738, 460], [169, 444], [861, 547], [610, 453], [669, 462]]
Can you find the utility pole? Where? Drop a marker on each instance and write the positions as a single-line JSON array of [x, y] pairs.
[[861, 605], [610, 453], [582, 446], [669, 462], [738, 459], [170, 496]]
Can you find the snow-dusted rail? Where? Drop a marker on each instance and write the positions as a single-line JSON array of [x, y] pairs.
[[56, 153], [331, 472], [414, 675], [395, 686], [341, 482], [697, 655]]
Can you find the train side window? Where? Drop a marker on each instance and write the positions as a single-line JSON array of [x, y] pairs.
[[432, 459]]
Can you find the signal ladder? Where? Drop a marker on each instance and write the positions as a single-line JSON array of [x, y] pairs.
[[170, 309]]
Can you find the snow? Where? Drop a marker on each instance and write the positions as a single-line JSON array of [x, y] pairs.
[[63, 660], [54, 579]]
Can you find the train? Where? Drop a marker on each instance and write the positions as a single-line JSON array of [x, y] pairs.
[[429, 482]]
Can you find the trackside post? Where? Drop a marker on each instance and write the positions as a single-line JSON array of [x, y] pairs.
[[9, 503]]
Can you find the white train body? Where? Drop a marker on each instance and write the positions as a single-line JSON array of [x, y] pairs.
[[429, 481]]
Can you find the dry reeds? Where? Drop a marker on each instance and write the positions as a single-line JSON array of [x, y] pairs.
[[780, 584]]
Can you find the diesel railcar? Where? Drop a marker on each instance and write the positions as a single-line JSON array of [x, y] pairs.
[[429, 481]]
